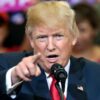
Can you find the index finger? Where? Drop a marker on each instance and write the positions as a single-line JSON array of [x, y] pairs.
[[36, 57]]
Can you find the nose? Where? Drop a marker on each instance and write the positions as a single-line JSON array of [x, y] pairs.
[[51, 45]]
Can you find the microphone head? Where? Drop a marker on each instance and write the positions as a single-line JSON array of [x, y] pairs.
[[58, 72]]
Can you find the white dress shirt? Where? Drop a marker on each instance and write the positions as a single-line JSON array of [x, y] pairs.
[[10, 87], [49, 79]]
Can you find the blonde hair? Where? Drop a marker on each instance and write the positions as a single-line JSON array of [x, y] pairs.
[[51, 13]]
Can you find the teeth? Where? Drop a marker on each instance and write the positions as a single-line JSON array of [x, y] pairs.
[[52, 56]]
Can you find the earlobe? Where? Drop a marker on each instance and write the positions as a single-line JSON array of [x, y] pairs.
[[74, 42]]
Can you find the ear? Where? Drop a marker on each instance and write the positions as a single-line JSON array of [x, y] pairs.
[[74, 42], [31, 41]]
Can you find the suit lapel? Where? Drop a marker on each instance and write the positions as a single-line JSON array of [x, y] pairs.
[[76, 81], [41, 88]]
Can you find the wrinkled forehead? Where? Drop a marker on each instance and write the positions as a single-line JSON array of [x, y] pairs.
[[50, 31]]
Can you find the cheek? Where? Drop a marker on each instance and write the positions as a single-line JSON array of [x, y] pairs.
[[38, 47], [87, 38], [66, 46], [65, 53]]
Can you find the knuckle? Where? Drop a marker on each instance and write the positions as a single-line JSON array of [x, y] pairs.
[[31, 66], [26, 73]]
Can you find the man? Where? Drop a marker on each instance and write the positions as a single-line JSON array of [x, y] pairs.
[[52, 32]]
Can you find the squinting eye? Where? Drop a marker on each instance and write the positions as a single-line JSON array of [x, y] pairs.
[[59, 37], [41, 38]]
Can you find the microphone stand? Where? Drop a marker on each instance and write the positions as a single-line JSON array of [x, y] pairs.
[[60, 91]]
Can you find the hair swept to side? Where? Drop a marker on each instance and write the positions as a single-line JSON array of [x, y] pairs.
[[51, 13]]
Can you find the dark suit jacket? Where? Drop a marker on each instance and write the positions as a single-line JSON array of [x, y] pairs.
[[83, 82]]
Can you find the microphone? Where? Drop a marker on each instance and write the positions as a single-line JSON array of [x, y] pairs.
[[59, 74]]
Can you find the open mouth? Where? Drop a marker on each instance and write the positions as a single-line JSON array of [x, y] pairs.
[[52, 58]]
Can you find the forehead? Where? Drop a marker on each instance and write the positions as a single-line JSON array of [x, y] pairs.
[[43, 29]]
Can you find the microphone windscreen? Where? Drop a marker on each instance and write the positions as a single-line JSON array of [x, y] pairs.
[[58, 72]]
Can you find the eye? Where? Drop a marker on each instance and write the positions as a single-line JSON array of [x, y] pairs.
[[59, 36], [82, 30], [41, 38]]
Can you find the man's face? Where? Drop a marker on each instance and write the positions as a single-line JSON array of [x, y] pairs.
[[54, 44]]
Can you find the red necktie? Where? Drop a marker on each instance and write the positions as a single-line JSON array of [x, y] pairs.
[[53, 90]]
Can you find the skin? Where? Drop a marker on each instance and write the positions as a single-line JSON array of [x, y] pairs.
[[51, 45], [87, 34]]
